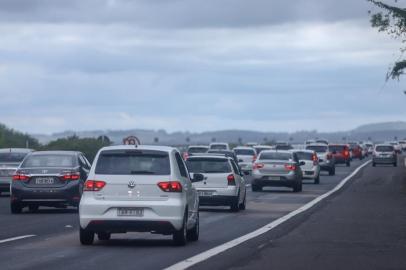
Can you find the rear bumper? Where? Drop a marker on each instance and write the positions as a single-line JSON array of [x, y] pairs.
[[274, 183], [123, 226], [380, 160], [341, 160], [216, 200]]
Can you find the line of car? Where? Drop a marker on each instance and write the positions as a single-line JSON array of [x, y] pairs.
[[155, 189]]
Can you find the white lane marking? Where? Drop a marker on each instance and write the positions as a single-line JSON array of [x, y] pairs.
[[16, 238], [233, 243], [405, 161]]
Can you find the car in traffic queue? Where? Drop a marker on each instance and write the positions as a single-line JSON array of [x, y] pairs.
[[260, 148], [49, 178], [283, 146], [311, 167], [396, 146], [341, 153], [277, 169], [326, 158], [10, 159], [403, 144], [226, 153], [384, 154], [223, 183], [195, 149], [246, 156], [219, 146], [322, 141], [356, 150], [139, 188]]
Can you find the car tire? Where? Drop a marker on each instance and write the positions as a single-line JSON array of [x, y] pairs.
[[16, 208], [86, 237], [317, 179], [193, 234], [243, 205], [348, 164], [256, 188], [298, 187], [235, 204], [33, 208], [180, 237], [395, 164], [104, 236], [373, 164], [332, 171]]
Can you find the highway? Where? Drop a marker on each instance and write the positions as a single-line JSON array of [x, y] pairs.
[[49, 238]]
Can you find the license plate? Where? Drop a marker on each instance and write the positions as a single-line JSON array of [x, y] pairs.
[[274, 178], [44, 181], [130, 212], [205, 193]]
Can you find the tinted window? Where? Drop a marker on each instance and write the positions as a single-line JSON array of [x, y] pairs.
[[317, 148], [244, 152], [133, 162], [208, 165], [304, 156], [49, 160], [235, 167], [12, 157], [284, 147], [218, 147], [181, 165], [196, 150], [336, 148], [384, 148], [276, 156]]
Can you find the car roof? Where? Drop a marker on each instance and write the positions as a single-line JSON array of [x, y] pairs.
[[277, 151], [216, 156], [262, 146], [244, 148], [191, 146], [317, 144], [337, 144], [15, 150], [222, 143], [56, 152], [140, 147], [302, 151]]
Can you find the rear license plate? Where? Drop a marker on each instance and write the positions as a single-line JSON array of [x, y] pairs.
[[274, 178], [44, 181], [130, 212], [205, 193]]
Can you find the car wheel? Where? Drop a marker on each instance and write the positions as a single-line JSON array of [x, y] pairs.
[[395, 164], [255, 188], [86, 237], [317, 180], [332, 171], [297, 187], [33, 208], [373, 164], [235, 204], [104, 236], [348, 164], [180, 236], [244, 203], [193, 234], [16, 208]]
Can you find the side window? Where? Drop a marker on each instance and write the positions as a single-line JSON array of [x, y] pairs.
[[181, 165], [235, 167], [295, 158]]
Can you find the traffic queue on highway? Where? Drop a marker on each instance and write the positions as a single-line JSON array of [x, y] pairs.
[[159, 189]]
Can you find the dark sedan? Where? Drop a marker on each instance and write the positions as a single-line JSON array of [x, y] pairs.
[[49, 178]]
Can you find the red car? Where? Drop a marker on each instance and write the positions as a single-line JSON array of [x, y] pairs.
[[356, 150], [341, 153]]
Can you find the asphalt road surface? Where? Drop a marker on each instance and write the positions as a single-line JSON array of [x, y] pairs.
[[52, 234]]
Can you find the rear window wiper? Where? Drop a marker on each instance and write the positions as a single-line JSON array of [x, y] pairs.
[[142, 172]]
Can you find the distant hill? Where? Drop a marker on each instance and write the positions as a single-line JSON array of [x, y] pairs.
[[376, 132]]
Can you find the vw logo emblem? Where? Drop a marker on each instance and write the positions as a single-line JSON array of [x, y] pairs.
[[131, 184]]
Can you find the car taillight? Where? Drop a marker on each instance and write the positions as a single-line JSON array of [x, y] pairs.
[[231, 180], [254, 158], [315, 159], [329, 156], [170, 186], [70, 176], [20, 177], [290, 167], [258, 166], [94, 185], [346, 153]]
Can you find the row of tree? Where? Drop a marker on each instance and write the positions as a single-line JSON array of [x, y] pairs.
[[10, 138]]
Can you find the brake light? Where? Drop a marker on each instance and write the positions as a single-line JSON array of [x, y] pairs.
[[315, 159], [20, 177], [258, 166], [290, 167], [94, 185], [346, 153], [171, 186], [231, 180], [70, 176], [254, 158]]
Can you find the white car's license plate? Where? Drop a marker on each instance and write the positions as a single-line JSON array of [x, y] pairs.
[[205, 193], [130, 212], [274, 178], [44, 181]]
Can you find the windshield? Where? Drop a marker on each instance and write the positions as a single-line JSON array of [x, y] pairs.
[[49, 160], [275, 156], [197, 150], [317, 148], [384, 148], [244, 152], [133, 162], [208, 165], [218, 147], [336, 148], [304, 155], [12, 157]]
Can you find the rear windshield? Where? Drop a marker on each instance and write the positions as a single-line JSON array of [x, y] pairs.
[[275, 156], [284, 147], [208, 165], [133, 162], [218, 147], [196, 150], [336, 148], [49, 160], [317, 148], [259, 149], [304, 156], [244, 152], [12, 157], [384, 148]]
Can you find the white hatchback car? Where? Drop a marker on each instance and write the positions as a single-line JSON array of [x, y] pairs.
[[223, 182], [139, 189], [219, 146], [311, 166], [246, 157]]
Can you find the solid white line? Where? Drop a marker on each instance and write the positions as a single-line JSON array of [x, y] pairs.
[[219, 249], [16, 238], [405, 162]]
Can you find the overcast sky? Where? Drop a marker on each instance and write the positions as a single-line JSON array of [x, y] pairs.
[[196, 65]]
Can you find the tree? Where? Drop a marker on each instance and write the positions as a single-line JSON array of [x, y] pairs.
[[10, 138], [392, 20]]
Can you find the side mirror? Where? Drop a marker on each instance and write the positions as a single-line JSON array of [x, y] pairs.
[[197, 177], [301, 163]]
